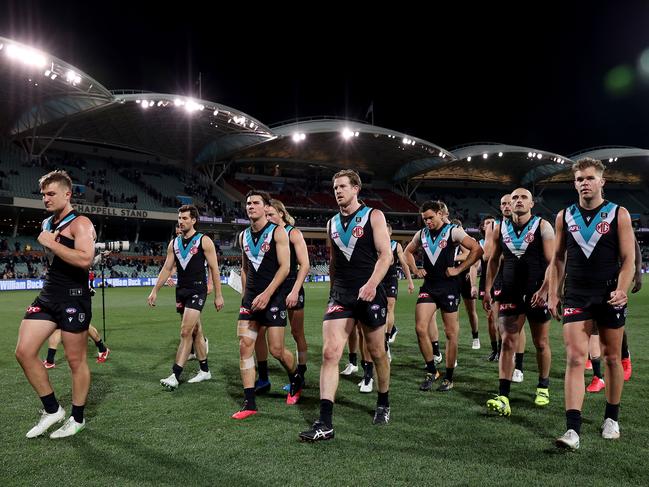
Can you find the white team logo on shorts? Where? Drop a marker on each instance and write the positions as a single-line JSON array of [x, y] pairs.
[[82, 317]]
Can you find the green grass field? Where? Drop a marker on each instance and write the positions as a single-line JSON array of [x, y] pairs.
[[138, 434]]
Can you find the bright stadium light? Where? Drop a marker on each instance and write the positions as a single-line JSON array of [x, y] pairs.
[[500, 154], [216, 112], [27, 56], [485, 155], [178, 102], [468, 159], [539, 156], [347, 134], [298, 137]]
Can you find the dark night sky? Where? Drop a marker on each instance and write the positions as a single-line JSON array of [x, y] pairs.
[[512, 75]]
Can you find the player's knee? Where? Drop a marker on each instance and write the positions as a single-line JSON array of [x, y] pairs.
[[246, 346], [276, 351], [22, 354], [611, 359], [186, 332], [331, 353], [509, 342], [576, 358], [422, 330]]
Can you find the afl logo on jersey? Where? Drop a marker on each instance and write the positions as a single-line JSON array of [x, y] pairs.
[[573, 228], [442, 244], [357, 232], [334, 235], [507, 240], [194, 250], [529, 238], [603, 227], [265, 247]]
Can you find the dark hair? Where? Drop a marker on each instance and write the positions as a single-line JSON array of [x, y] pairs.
[[263, 194], [354, 177], [193, 211], [484, 219], [431, 205], [58, 176]]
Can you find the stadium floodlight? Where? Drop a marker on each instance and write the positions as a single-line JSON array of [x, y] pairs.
[[299, 137], [347, 134], [145, 104], [539, 156], [54, 76], [28, 56], [178, 102], [610, 159], [468, 159], [485, 155], [216, 112], [615, 160], [500, 154], [191, 106], [529, 154]]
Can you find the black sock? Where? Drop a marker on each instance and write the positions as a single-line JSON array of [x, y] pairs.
[[192, 350], [203, 365], [519, 361], [500, 345], [612, 411], [326, 412], [353, 358], [573, 420], [301, 369], [100, 346], [387, 339], [504, 386], [494, 346], [50, 404], [435, 348], [597, 367], [544, 382], [449, 373], [368, 367], [51, 352], [249, 394], [77, 413], [383, 399], [625, 346], [262, 370], [430, 367], [474, 334], [177, 370]]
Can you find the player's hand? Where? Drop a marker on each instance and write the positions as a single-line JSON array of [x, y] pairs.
[[420, 273], [367, 292], [474, 292], [152, 297], [539, 298], [452, 272], [637, 283], [411, 286], [554, 306], [218, 303], [47, 239], [618, 298], [291, 299], [486, 300], [260, 302]]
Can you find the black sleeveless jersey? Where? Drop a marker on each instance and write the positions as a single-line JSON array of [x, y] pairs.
[[524, 262], [593, 251], [190, 262], [392, 274], [352, 240], [261, 251], [63, 279], [292, 271], [439, 255]]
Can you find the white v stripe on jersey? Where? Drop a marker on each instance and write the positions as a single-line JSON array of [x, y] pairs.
[[338, 233], [434, 247], [580, 234], [517, 245], [185, 254], [262, 247]]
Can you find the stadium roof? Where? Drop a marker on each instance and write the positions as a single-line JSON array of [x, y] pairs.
[[43, 98], [495, 162], [340, 143], [624, 165]]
